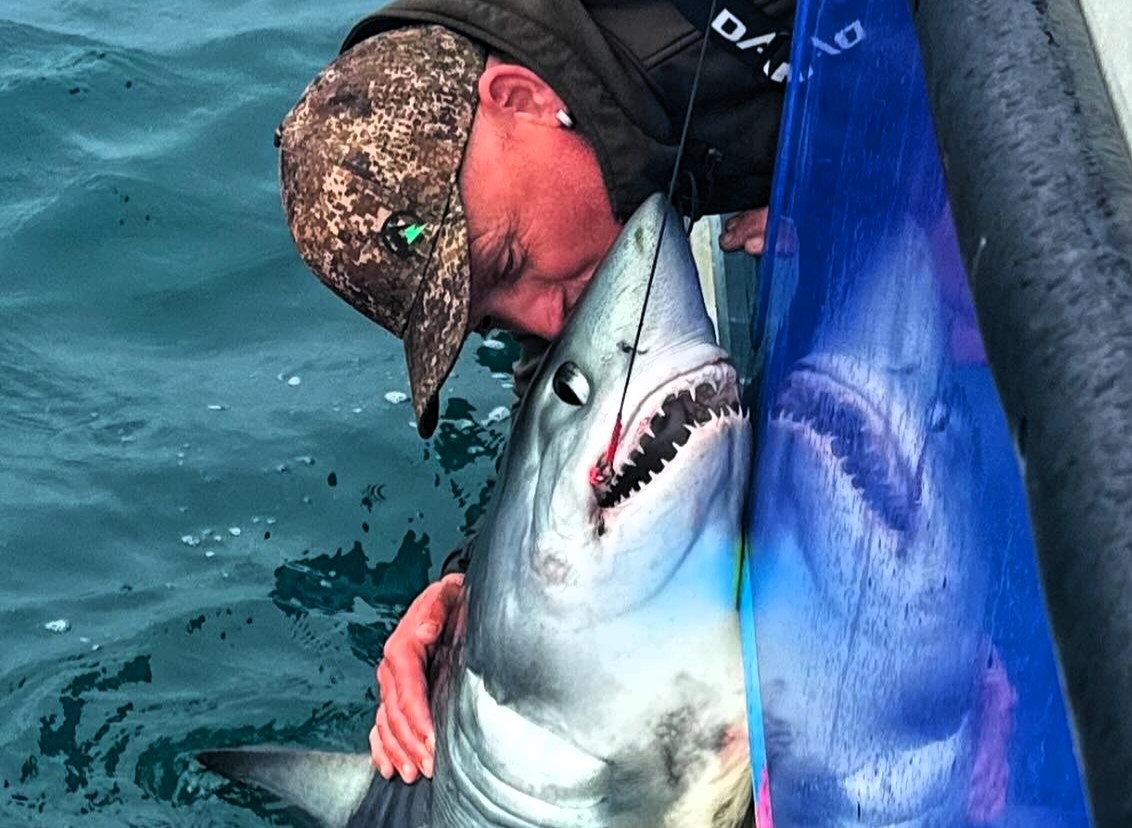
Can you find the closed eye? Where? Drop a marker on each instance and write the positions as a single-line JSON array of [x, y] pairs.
[[512, 265]]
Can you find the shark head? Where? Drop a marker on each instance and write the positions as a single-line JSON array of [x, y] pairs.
[[601, 644], [596, 536], [870, 437], [870, 631]]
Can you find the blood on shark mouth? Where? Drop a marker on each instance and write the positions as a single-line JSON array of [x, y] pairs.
[[858, 439], [679, 415]]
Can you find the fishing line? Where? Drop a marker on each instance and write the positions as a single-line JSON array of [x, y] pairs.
[[617, 425]]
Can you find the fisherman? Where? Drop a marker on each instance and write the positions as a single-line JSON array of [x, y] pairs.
[[450, 179], [465, 166]]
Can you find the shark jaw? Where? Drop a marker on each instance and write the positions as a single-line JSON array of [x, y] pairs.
[[670, 419], [817, 404]]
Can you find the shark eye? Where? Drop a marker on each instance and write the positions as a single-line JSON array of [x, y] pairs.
[[571, 385]]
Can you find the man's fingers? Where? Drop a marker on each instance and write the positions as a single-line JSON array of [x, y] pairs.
[[731, 240], [417, 719], [403, 734], [377, 751], [397, 756], [410, 743], [745, 231], [395, 735], [751, 245], [755, 245], [404, 696]]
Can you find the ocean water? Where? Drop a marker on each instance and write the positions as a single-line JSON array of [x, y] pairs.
[[210, 514]]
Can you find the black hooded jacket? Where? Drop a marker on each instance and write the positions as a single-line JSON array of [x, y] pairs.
[[625, 70]]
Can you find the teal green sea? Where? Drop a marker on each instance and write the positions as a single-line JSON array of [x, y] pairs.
[[211, 512]]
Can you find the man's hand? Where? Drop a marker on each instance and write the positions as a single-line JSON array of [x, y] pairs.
[[402, 739], [745, 231]]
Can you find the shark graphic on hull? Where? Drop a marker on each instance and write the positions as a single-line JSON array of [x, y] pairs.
[[592, 677], [869, 628]]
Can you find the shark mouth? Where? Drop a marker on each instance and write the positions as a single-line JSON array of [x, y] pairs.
[[692, 402], [860, 440]]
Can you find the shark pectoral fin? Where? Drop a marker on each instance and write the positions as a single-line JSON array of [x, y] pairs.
[[339, 790]]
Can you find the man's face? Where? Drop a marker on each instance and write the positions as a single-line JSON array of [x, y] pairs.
[[539, 220]]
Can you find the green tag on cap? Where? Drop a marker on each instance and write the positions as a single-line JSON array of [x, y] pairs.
[[413, 232]]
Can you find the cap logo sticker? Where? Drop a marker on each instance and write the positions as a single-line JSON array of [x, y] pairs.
[[400, 231]]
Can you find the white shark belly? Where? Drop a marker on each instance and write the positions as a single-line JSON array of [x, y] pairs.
[[656, 717], [499, 768]]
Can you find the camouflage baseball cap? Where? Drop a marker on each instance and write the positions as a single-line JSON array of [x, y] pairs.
[[369, 160]]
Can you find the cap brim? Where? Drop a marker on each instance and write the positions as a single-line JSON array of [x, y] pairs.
[[438, 320]]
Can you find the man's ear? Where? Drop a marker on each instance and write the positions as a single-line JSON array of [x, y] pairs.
[[509, 90]]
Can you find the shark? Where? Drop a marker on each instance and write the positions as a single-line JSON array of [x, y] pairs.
[[871, 587], [592, 674]]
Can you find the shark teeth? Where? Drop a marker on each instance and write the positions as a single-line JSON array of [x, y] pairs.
[[858, 441], [680, 414]]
